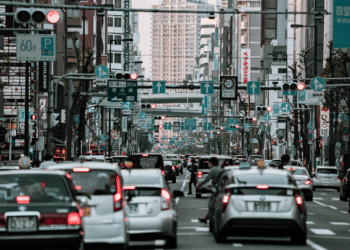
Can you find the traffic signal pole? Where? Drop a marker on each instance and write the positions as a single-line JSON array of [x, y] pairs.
[[26, 117], [49, 112]]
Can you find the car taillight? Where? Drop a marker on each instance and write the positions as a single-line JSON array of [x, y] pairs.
[[199, 174], [177, 166], [307, 182], [225, 201], [24, 199], [173, 168], [117, 198], [165, 199], [129, 187], [298, 200], [78, 187], [74, 219], [162, 172], [262, 186], [2, 220]]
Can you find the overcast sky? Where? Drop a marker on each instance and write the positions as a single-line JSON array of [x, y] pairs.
[[145, 30]]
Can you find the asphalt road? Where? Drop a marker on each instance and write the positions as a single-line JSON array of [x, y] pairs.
[[328, 225]]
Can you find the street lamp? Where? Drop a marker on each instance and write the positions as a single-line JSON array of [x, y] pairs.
[[297, 26]]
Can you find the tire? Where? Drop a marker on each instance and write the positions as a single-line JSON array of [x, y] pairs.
[[211, 227], [171, 241], [314, 189], [219, 237], [309, 198], [174, 180], [198, 195], [298, 238], [341, 196]]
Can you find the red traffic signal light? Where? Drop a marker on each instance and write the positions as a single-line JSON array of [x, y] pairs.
[[163, 117], [58, 150], [33, 117], [38, 15], [254, 119], [53, 16], [133, 76], [268, 108], [153, 106], [301, 86]]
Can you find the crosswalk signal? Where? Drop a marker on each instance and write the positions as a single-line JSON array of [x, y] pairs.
[[38, 16]]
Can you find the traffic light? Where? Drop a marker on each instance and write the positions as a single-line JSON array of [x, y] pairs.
[[301, 86], [263, 108], [289, 86], [159, 117], [248, 119], [148, 106], [54, 122], [58, 151], [126, 76], [32, 128], [274, 141], [38, 16]]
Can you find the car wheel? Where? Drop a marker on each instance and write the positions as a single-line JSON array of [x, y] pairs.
[[171, 241], [174, 180], [298, 238], [309, 197], [314, 189], [338, 189], [198, 195], [211, 227], [341, 196], [220, 237]]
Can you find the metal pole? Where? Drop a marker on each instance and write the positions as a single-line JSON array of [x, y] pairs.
[[109, 135], [26, 122], [10, 147], [49, 111]]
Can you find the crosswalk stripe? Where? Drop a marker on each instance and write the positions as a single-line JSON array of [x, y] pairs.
[[335, 199], [344, 212], [314, 245], [237, 245], [340, 223], [322, 231], [310, 222], [318, 198], [194, 220], [202, 229]]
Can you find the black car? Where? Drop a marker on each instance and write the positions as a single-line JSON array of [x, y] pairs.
[[39, 207], [169, 171], [345, 187], [178, 166], [275, 163], [148, 160]]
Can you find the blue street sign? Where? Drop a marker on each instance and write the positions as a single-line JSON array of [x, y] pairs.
[[318, 83], [190, 124], [101, 71], [207, 126], [207, 88], [267, 129], [253, 88], [77, 118], [289, 92], [182, 126], [158, 87], [346, 118], [127, 105], [262, 127], [103, 138], [206, 139], [285, 107], [341, 24], [143, 116], [232, 121], [266, 117], [268, 136], [246, 126], [301, 95], [310, 125], [276, 109], [194, 138]]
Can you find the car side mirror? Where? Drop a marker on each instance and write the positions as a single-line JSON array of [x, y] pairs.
[[178, 193]]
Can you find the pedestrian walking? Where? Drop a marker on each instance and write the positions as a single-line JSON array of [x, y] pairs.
[[193, 177]]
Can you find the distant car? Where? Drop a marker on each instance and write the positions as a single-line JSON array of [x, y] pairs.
[[169, 171], [240, 157], [39, 207], [178, 166], [303, 180], [267, 163], [151, 206], [345, 187], [148, 160], [93, 157], [275, 163], [253, 159], [171, 156], [116, 159], [257, 202], [326, 177]]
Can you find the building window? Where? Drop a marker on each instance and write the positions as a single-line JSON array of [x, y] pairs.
[[117, 3], [282, 70], [117, 22], [243, 32], [110, 21], [117, 40]]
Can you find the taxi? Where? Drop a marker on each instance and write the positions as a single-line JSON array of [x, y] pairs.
[[257, 201]]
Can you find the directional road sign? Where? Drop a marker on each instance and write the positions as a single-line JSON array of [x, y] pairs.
[[232, 121], [143, 116], [310, 125], [183, 126], [101, 71], [253, 88], [122, 91], [167, 125], [158, 87], [285, 107], [246, 126], [190, 124], [103, 138], [207, 126], [35, 47], [346, 131], [266, 117], [127, 105], [318, 83], [207, 88]]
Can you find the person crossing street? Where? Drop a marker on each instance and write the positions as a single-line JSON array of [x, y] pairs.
[[193, 177]]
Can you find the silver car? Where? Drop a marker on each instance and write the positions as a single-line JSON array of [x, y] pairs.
[[326, 177], [303, 180], [151, 206], [260, 202], [104, 211]]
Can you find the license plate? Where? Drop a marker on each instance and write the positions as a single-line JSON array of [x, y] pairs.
[[262, 206], [22, 223], [86, 211], [133, 209]]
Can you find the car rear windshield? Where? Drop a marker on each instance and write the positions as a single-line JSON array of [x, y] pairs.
[[118, 159], [168, 163], [39, 188], [204, 164], [276, 162], [228, 161], [94, 182], [264, 179], [253, 157], [130, 179], [144, 191], [299, 172], [294, 163], [256, 191], [93, 159], [327, 171], [149, 161]]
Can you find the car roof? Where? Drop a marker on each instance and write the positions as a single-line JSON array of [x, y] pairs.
[[217, 156], [327, 167], [139, 172], [118, 156], [92, 156], [147, 154], [296, 167], [255, 170], [33, 171], [89, 164]]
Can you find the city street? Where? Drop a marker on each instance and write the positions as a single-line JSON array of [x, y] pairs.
[[328, 225]]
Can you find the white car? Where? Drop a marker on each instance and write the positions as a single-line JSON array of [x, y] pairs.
[[326, 177], [303, 180]]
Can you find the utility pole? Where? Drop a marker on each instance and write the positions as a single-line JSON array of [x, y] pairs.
[[331, 156]]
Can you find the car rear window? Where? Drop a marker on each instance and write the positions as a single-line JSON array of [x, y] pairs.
[[118, 159], [166, 163], [203, 164], [228, 161], [130, 179], [39, 188], [294, 163], [327, 171], [94, 182], [276, 162], [257, 179], [145, 191], [253, 157], [299, 172], [256, 191], [147, 161]]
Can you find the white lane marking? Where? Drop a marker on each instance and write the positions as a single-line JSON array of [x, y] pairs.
[[177, 200], [333, 207], [322, 231], [311, 213], [194, 220], [314, 245], [159, 242], [344, 212], [323, 194], [336, 199], [310, 223], [237, 245], [203, 208], [340, 223], [202, 229], [194, 233], [318, 198], [319, 203], [184, 182]]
